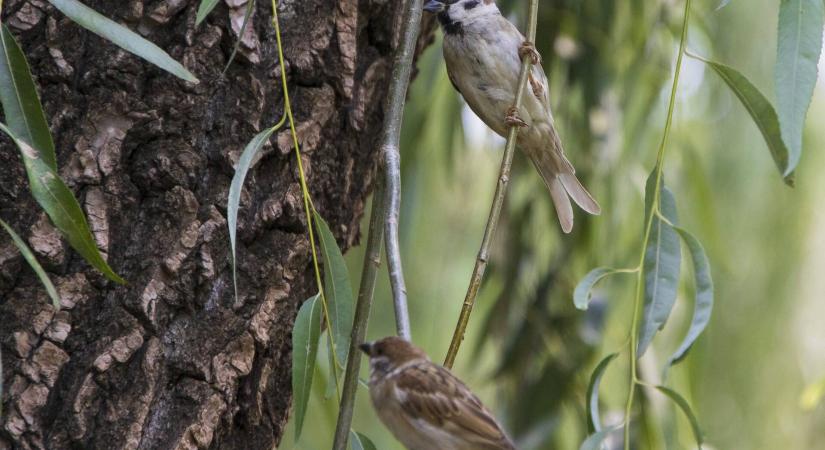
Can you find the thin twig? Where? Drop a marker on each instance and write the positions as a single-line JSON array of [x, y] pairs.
[[394, 110], [498, 200], [372, 259]]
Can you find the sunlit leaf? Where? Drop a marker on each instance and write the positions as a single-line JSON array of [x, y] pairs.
[[661, 266], [703, 302], [205, 7], [337, 288], [685, 407], [797, 54], [594, 422], [812, 395], [62, 207], [234, 199], [21, 105], [121, 36], [38, 269], [597, 440], [760, 110], [304, 353], [360, 442]]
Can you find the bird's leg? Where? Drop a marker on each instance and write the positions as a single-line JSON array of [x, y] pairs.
[[512, 118], [527, 48]]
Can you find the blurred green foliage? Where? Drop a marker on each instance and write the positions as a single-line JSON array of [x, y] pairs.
[[528, 351]]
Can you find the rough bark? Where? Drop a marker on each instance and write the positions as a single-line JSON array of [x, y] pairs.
[[172, 360]]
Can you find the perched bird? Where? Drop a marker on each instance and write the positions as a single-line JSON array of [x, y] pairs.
[[424, 405], [483, 52]]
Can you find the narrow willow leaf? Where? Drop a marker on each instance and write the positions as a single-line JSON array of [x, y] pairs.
[[234, 200], [597, 440], [360, 442], [661, 266], [331, 380], [581, 295], [122, 37], [38, 269], [337, 288], [685, 407], [594, 421], [304, 353], [60, 204], [204, 9], [797, 54], [21, 105], [703, 302], [760, 110], [250, 6]]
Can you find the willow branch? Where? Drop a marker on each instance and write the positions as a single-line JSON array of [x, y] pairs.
[[372, 259], [498, 201], [399, 82]]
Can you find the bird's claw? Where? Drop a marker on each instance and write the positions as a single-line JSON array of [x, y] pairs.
[[528, 49], [512, 118]]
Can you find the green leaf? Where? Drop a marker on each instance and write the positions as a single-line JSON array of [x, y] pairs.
[[685, 407], [60, 204], [661, 265], [38, 269], [337, 288], [360, 442], [581, 295], [204, 9], [304, 352], [21, 105], [234, 200], [797, 54], [250, 7], [122, 37], [594, 421], [760, 110], [703, 302], [597, 440]]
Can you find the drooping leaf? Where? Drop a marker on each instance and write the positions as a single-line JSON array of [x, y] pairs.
[[703, 302], [122, 37], [21, 105], [594, 422], [597, 440], [661, 265], [760, 110], [234, 199], [250, 7], [337, 288], [331, 373], [62, 207], [205, 7], [685, 407], [797, 54], [304, 353], [38, 269], [581, 295], [359, 441]]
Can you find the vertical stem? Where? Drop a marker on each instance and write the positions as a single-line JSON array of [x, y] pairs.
[[372, 259], [394, 109], [498, 201]]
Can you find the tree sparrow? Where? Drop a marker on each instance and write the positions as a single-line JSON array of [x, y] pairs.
[[483, 52], [424, 405]]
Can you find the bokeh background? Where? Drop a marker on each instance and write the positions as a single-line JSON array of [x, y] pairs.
[[529, 353]]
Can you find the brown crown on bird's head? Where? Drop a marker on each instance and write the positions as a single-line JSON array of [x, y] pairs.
[[393, 349]]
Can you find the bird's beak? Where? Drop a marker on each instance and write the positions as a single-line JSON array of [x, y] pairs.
[[433, 6], [366, 347]]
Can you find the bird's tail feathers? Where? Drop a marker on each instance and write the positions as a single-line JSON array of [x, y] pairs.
[[560, 178]]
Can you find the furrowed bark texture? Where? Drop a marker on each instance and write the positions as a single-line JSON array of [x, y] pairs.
[[172, 360]]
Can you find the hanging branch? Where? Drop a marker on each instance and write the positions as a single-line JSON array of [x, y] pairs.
[[498, 200], [394, 110], [372, 259]]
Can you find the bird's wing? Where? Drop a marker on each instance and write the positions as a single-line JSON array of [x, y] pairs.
[[431, 393]]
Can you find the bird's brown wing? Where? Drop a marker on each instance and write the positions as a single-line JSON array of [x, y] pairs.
[[435, 395]]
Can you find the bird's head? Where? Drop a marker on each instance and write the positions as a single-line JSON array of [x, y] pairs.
[[389, 353], [454, 14]]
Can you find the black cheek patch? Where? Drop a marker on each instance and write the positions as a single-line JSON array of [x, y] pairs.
[[471, 5]]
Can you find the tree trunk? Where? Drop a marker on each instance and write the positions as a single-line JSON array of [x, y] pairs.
[[173, 360]]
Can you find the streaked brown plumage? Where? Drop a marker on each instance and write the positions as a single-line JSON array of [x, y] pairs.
[[424, 405]]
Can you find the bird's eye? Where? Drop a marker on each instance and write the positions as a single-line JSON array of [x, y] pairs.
[[471, 4]]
